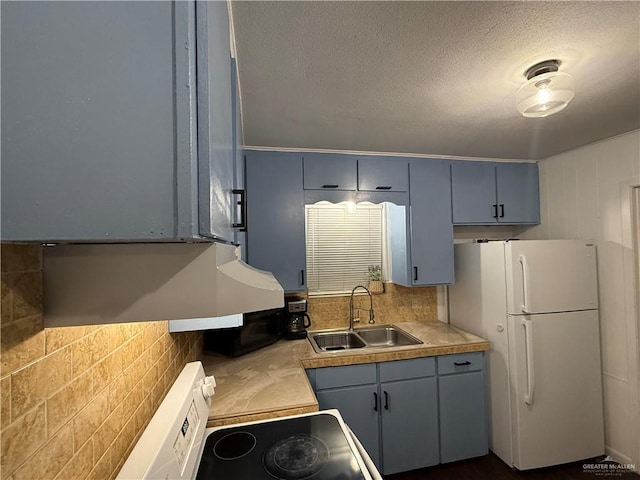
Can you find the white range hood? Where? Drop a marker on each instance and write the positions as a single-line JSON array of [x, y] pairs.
[[97, 284]]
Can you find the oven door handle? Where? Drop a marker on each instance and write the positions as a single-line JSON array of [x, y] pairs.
[[372, 470]]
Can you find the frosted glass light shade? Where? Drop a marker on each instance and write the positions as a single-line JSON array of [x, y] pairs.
[[545, 94]]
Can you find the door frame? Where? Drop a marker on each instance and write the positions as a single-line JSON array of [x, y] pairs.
[[634, 192]]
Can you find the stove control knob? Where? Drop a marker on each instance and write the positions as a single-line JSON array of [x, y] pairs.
[[208, 389]]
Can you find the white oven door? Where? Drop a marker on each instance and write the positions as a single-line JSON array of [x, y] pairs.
[[371, 468]]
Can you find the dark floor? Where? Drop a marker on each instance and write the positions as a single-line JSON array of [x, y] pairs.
[[491, 467]]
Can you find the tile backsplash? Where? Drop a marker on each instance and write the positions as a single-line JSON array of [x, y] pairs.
[[396, 304], [74, 400]]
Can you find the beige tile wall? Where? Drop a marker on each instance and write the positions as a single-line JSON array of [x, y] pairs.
[[396, 304], [75, 400]]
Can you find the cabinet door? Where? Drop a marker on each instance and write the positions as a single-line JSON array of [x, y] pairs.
[[409, 424], [518, 193], [359, 406], [239, 217], [431, 227], [275, 216], [383, 174], [463, 422], [215, 122], [96, 121], [330, 172], [473, 193]]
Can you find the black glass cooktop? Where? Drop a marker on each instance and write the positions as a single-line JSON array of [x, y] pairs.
[[311, 447]]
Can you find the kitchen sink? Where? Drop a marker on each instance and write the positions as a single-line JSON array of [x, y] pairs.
[[332, 341], [381, 336], [387, 336]]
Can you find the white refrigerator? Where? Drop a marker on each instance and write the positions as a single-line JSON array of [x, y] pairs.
[[537, 303]]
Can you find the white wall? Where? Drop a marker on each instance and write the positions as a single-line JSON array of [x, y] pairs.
[[586, 194]]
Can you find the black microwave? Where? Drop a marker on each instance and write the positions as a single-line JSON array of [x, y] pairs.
[[258, 330]]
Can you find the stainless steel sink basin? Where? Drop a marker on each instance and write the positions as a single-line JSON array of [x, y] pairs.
[[332, 341], [387, 336], [380, 336]]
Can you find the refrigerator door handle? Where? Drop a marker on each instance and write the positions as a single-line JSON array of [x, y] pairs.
[[528, 338], [525, 284]]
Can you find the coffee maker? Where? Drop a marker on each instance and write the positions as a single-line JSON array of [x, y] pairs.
[[296, 318]]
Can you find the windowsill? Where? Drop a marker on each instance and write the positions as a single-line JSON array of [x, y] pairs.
[[338, 294]]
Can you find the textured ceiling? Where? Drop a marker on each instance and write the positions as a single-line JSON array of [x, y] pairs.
[[434, 78]]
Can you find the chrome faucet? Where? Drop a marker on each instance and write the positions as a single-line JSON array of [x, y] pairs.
[[353, 320]]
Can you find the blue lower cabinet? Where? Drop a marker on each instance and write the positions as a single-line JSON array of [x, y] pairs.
[[410, 414], [356, 405], [463, 421], [409, 424], [392, 407]]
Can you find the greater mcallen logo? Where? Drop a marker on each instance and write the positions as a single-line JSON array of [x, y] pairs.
[[608, 467]]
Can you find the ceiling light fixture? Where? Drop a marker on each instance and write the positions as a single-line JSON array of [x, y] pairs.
[[547, 91]]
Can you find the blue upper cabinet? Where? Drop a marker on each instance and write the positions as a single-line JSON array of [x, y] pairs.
[[239, 210], [216, 161], [518, 195], [275, 216], [486, 193], [473, 192], [330, 172], [431, 227], [383, 174], [99, 115], [421, 237]]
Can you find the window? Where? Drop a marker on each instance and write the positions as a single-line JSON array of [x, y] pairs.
[[342, 240]]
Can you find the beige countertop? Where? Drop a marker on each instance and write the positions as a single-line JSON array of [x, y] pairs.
[[271, 382]]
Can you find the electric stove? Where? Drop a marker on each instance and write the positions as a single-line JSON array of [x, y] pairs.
[[312, 446], [177, 445]]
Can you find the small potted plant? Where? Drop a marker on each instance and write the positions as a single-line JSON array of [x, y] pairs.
[[375, 279]]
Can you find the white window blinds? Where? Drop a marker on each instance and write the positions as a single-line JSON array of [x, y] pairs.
[[342, 240]]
